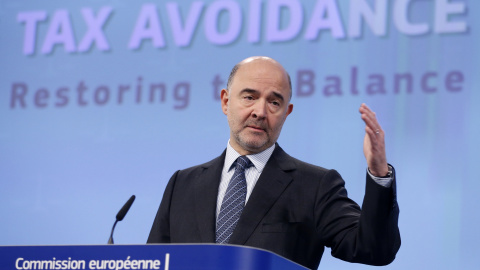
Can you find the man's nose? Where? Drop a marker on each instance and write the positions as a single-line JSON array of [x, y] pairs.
[[260, 109]]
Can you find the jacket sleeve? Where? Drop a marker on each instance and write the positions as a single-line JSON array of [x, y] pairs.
[[369, 235], [160, 232]]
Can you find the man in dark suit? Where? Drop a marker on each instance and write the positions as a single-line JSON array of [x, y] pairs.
[[286, 206]]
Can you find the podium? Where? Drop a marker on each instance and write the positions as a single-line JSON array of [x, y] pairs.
[[164, 257]]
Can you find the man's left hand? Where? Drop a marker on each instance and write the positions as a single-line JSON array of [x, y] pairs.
[[374, 143]]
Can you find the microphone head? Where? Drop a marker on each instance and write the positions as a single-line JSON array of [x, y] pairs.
[[121, 214]]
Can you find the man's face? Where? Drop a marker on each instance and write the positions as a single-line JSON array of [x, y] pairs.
[[256, 105]]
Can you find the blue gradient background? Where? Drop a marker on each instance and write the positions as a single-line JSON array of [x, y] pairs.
[[65, 172]]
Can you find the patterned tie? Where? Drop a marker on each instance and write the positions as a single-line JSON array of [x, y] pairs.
[[233, 202]]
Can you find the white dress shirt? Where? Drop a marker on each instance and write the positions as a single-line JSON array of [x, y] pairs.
[[251, 174]]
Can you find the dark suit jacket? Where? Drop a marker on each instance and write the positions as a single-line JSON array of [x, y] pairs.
[[295, 210]]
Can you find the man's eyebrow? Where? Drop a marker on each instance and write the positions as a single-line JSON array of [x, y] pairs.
[[278, 95], [253, 91], [249, 90]]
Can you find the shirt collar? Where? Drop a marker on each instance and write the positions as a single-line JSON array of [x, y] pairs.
[[259, 160]]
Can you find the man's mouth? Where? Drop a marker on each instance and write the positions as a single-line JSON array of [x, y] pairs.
[[256, 128]]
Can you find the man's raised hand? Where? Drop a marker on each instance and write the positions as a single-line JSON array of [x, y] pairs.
[[374, 143]]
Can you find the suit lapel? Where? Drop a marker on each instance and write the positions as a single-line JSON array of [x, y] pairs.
[[271, 184], [206, 191]]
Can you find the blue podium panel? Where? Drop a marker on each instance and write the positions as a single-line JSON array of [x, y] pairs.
[[164, 257]]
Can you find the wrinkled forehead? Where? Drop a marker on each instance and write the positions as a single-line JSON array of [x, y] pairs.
[[263, 72]]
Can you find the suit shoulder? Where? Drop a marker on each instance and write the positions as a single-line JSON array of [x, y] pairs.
[[288, 162], [308, 166], [195, 170], [304, 170]]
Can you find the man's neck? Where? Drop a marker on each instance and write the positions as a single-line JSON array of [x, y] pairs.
[[245, 152]]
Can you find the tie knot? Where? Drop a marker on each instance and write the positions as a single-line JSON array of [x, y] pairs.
[[243, 163]]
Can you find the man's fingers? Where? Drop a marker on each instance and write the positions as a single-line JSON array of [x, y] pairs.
[[371, 122], [370, 119], [373, 136], [365, 109], [374, 145]]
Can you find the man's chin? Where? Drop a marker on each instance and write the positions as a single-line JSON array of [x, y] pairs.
[[255, 146]]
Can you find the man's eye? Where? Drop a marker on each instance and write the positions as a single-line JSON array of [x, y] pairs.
[[248, 97], [276, 103]]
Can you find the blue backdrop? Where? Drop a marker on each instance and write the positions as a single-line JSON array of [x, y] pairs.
[[100, 100]]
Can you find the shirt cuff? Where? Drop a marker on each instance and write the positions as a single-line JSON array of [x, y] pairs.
[[383, 181]]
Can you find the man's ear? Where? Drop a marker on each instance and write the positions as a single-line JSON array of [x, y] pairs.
[[289, 110], [224, 100]]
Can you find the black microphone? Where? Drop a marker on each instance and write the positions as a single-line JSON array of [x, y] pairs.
[[121, 214]]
